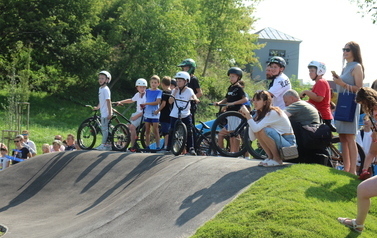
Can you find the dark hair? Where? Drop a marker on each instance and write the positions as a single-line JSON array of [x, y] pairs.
[[266, 97], [367, 97], [166, 80], [355, 48]]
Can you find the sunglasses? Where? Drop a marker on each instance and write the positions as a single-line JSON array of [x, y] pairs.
[[346, 49], [16, 141]]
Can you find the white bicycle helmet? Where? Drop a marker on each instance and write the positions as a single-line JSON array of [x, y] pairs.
[[107, 74], [141, 82], [321, 67], [183, 75]]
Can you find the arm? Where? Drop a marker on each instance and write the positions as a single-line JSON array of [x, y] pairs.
[[125, 101], [109, 108], [241, 101], [312, 95], [358, 75], [199, 92]]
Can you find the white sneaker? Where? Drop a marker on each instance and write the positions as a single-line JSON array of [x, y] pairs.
[[101, 147], [108, 147]]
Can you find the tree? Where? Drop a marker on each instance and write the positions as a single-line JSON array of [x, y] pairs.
[[225, 32], [368, 7]]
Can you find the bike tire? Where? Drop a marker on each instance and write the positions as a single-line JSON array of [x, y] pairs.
[[204, 145], [152, 138], [222, 122], [120, 137], [179, 138], [360, 151], [86, 136]]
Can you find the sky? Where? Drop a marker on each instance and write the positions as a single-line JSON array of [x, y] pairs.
[[324, 26]]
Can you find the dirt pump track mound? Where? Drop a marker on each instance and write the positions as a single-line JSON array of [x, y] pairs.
[[113, 194]]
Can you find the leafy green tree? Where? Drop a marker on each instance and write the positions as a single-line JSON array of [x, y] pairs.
[[368, 7]]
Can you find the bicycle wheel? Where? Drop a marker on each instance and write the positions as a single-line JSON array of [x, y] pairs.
[[120, 137], [179, 138], [252, 147], [152, 139], [223, 137], [86, 136], [204, 145], [336, 155]]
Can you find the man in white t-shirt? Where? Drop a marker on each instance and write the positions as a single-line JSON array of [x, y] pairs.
[[280, 82]]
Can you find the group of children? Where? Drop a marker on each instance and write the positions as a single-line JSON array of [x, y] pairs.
[[154, 106]]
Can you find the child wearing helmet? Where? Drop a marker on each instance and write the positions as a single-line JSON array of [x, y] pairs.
[[234, 99], [189, 65], [183, 92], [151, 113], [140, 98], [280, 82], [320, 95], [104, 105]]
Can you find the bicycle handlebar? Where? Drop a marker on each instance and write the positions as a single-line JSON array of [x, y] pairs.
[[220, 105]]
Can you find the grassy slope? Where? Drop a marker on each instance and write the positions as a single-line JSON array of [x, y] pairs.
[[298, 201]]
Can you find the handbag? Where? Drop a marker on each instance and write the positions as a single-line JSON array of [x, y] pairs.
[[346, 106], [288, 153]]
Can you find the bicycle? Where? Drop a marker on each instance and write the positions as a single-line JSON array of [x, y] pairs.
[[223, 137], [118, 135], [179, 132]]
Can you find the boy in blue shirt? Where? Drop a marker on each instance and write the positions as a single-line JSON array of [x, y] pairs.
[[105, 107], [151, 112]]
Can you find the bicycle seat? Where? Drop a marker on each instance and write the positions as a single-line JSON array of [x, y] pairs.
[[204, 125]]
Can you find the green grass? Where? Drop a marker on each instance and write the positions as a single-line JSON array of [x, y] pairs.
[[298, 201]]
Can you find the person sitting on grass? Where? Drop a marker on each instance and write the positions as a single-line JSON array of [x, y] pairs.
[[365, 191], [270, 126]]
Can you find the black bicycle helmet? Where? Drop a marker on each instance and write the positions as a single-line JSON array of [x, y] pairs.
[[236, 70]]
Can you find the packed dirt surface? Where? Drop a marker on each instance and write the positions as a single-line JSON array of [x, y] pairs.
[[114, 194]]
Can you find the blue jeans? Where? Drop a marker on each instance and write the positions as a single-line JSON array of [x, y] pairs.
[[280, 140]]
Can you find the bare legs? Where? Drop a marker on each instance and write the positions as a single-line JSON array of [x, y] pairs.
[[349, 152], [269, 146]]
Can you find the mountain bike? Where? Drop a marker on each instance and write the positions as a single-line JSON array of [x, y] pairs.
[[90, 129]]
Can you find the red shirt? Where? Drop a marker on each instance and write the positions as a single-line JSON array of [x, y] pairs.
[[322, 88]]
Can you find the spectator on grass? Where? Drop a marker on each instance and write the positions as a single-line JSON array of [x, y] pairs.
[[59, 138], [4, 160], [70, 143], [365, 191], [20, 152], [29, 143], [56, 145], [46, 148]]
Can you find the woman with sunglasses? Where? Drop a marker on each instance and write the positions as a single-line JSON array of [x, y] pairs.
[[351, 80], [270, 126], [20, 152]]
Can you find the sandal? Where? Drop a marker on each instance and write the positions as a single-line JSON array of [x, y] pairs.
[[262, 163], [364, 175], [353, 226], [271, 163]]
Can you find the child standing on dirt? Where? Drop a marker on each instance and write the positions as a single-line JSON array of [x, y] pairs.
[[165, 109], [105, 107], [151, 113], [183, 92], [234, 99], [140, 98]]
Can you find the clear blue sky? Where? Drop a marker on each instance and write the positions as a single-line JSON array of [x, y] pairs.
[[324, 26]]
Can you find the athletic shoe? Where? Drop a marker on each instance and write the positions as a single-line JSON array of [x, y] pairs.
[[102, 147], [192, 151], [132, 149]]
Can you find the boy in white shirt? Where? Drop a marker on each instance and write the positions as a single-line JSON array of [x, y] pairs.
[[105, 107], [185, 93], [140, 98]]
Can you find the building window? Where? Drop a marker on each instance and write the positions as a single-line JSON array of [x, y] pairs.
[[280, 53]]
